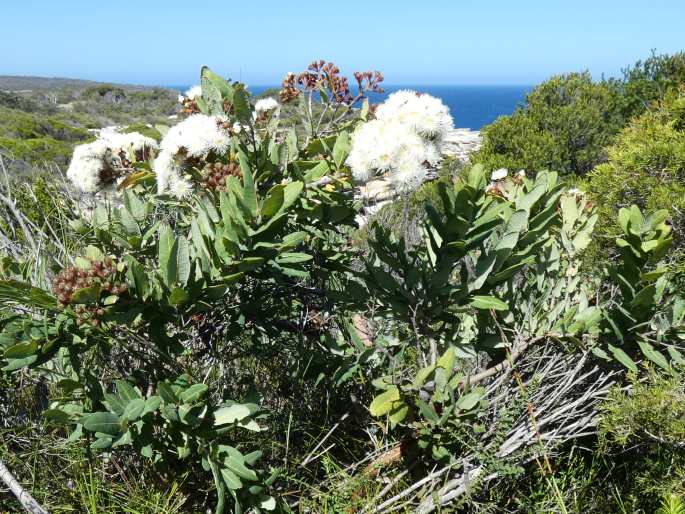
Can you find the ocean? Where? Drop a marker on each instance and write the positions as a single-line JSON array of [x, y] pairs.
[[471, 106]]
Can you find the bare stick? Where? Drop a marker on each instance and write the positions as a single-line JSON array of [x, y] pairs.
[[26, 500]]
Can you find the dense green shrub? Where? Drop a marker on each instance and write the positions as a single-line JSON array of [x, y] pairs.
[[565, 125], [646, 425], [650, 80], [646, 167]]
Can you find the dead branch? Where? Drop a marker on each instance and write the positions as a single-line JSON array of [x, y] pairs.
[[25, 498]]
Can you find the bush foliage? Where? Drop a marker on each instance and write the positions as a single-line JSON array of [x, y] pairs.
[[568, 121], [565, 125], [646, 167], [232, 343]]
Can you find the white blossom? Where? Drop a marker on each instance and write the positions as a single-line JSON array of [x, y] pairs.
[[129, 142], [166, 169], [521, 173], [266, 105], [404, 139], [180, 188], [425, 114], [499, 174], [197, 135], [86, 166], [95, 165], [193, 92]]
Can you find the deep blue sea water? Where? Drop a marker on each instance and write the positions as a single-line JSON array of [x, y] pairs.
[[470, 106]]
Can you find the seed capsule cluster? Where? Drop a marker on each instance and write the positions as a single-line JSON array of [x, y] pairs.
[[71, 279], [189, 106], [216, 174]]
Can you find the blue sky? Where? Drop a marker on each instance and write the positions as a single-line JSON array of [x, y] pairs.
[[411, 42]]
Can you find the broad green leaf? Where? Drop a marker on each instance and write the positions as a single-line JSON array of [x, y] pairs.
[[654, 355], [238, 467], [469, 400], [21, 350], [622, 357], [249, 191], [104, 422], [193, 393], [87, 294], [273, 202], [134, 409], [488, 302], [241, 104], [292, 258], [231, 479], [383, 403], [291, 193], [399, 412], [342, 148], [232, 413]]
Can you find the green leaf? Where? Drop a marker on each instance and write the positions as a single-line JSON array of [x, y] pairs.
[[104, 422], [193, 393], [469, 400], [232, 413], [87, 294], [16, 292], [291, 193], [447, 359], [383, 403], [182, 261], [167, 393], [267, 503], [21, 350], [241, 104], [237, 466], [178, 296], [654, 355], [622, 357], [292, 258], [274, 201], [231, 479], [134, 409], [94, 253], [167, 254], [398, 412], [488, 302], [249, 191], [342, 148], [127, 391]]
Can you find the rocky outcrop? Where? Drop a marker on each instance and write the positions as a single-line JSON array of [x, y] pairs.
[[461, 142]]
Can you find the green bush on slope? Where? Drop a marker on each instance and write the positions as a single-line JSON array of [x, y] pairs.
[[646, 167], [565, 125], [650, 80]]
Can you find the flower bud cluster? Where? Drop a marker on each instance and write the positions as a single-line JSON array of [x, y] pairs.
[[101, 272], [322, 75], [216, 174]]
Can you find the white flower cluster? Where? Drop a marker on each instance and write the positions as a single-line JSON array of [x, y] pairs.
[[97, 165], [406, 136], [191, 94], [197, 136], [499, 174], [265, 105]]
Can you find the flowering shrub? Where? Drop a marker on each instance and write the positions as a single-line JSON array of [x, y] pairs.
[[222, 292]]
